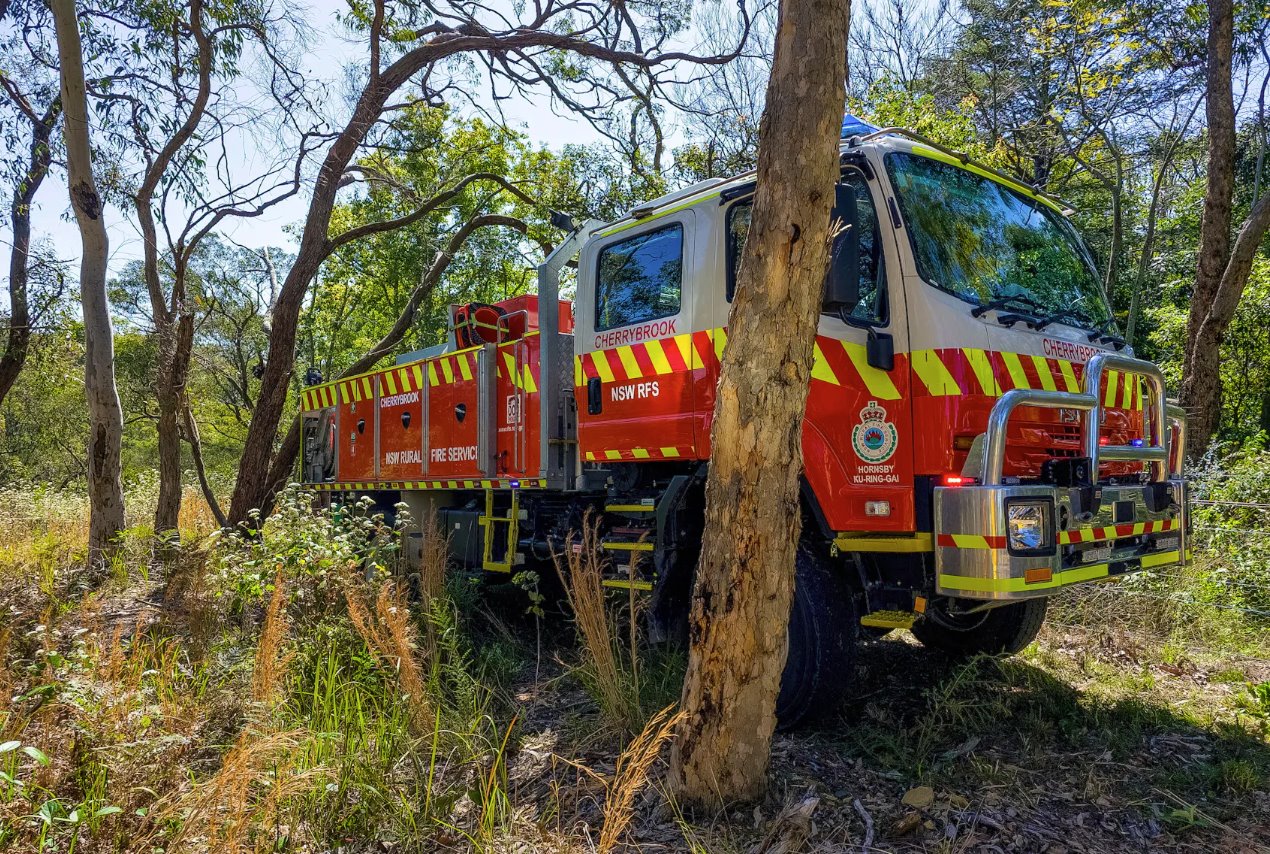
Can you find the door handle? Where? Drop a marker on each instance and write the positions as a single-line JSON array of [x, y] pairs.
[[594, 396]]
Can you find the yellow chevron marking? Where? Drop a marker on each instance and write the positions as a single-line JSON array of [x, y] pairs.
[[878, 382], [357, 391], [657, 356], [602, 366], [510, 362], [447, 371], [590, 455], [720, 342], [982, 366], [970, 541], [1069, 375], [640, 453], [417, 372], [367, 392], [465, 367], [1109, 395], [613, 455], [345, 397], [670, 452], [527, 382], [432, 373], [1139, 529], [629, 364], [579, 375], [1015, 368], [1126, 399], [403, 379], [930, 369], [328, 395], [1043, 371], [687, 352], [390, 382], [820, 369]]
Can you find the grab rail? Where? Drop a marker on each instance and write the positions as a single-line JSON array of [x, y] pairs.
[[1089, 401]]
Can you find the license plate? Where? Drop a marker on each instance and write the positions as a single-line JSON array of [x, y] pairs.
[[1165, 544], [1096, 555]]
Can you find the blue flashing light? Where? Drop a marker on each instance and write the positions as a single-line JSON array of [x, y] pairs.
[[1137, 443], [854, 126], [514, 484]]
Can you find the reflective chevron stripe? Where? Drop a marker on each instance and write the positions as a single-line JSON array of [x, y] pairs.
[[633, 454], [367, 486], [1081, 535], [957, 372]]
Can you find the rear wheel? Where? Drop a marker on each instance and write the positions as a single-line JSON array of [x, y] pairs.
[[1006, 629], [823, 625]]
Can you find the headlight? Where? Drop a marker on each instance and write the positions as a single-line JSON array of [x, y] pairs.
[[1030, 526]]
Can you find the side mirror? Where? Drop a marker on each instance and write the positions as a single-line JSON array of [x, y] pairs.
[[880, 350], [842, 282]]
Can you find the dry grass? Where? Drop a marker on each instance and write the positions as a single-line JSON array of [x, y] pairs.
[[271, 661], [583, 577], [631, 773], [434, 557], [390, 635], [255, 776]]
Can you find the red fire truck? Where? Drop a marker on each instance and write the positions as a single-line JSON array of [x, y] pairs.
[[976, 435]]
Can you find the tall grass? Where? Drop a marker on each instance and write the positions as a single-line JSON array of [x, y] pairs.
[[609, 671]]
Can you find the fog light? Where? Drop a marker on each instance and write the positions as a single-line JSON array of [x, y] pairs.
[[877, 508], [1030, 526]]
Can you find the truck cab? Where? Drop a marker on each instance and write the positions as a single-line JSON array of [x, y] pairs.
[[976, 435]]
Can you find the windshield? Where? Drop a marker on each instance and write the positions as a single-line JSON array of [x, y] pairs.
[[986, 243]]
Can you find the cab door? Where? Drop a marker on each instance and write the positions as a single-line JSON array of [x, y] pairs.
[[858, 435], [633, 374]]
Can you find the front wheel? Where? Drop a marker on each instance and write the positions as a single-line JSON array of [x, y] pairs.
[[1003, 630], [823, 626]]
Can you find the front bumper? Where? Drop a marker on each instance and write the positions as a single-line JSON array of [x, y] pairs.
[[1094, 533], [1067, 534]]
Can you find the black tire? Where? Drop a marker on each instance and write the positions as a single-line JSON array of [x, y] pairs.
[[1003, 630], [823, 626]]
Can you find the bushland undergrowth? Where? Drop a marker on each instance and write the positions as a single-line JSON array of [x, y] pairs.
[[313, 687]]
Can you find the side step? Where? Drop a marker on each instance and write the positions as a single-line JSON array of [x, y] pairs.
[[889, 619]]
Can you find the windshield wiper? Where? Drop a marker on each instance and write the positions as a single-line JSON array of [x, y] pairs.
[[1067, 314], [998, 303], [1103, 336]]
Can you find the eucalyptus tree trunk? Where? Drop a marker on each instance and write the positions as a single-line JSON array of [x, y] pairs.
[[745, 578], [105, 493], [1223, 267]]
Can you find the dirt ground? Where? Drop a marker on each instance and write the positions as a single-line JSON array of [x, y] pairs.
[[1083, 744]]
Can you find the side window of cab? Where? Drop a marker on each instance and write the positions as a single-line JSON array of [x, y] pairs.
[[855, 286], [640, 279]]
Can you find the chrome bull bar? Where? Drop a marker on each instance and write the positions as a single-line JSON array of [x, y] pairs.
[[1160, 415], [1084, 532]]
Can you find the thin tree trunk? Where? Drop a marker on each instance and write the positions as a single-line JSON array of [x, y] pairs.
[[19, 259], [745, 578], [105, 492], [196, 451], [1153, 212]]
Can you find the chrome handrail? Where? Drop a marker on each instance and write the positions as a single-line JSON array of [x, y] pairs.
[[998, 419], [1157, 452], [1089, 401], [1177, 415]]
